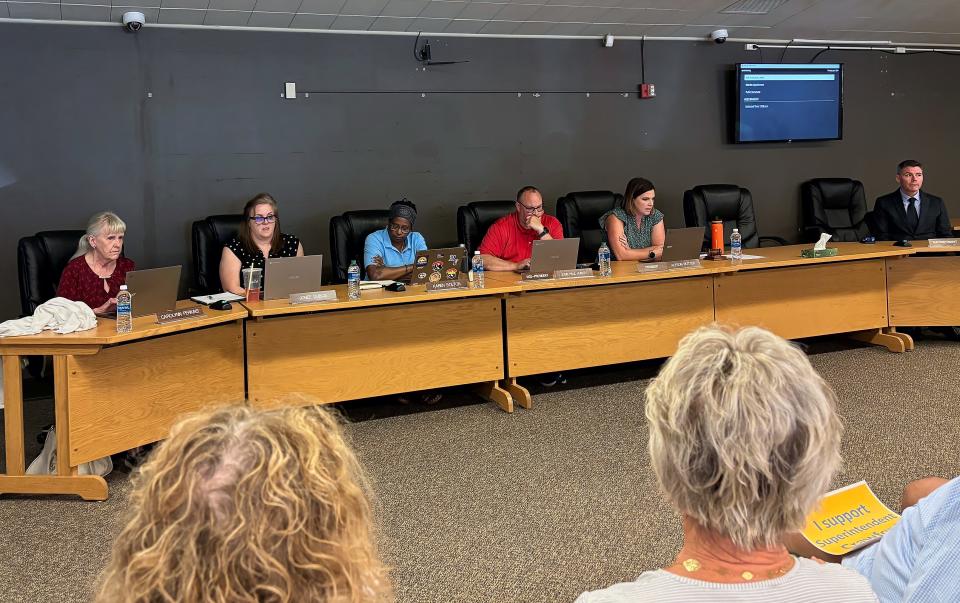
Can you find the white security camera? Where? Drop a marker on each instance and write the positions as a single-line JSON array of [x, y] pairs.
[[719, 36], [133, 21]]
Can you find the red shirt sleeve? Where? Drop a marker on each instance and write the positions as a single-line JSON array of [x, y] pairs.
[[69, 286], [553, 225], [495, 241]]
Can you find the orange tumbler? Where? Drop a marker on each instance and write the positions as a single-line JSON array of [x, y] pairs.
[[716, 235]]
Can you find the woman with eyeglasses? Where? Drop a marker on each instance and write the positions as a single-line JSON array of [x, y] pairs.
[[389, 254], [259, 238]]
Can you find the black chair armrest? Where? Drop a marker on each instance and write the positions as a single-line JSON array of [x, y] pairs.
[[777, 240]]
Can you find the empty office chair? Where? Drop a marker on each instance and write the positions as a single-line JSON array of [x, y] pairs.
[[41, 259], [728, 202], [474, 218], [836, 206], [209, 237], [579, 214], [348, 232]]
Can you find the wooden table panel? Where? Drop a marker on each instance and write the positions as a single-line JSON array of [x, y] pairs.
[[131, 394], [565, 329], [350, 354], [805, 301], [924, 291]]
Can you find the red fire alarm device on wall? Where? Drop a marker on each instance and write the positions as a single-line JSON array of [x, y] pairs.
[[647, 91]]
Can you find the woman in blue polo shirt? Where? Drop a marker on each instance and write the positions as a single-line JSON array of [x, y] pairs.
[[389, 254]]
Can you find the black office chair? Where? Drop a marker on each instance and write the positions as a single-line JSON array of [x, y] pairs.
[[579, 214], [347, 235], [41, 259], [836, 206], [210, 235], [40, 262], [474, 218], [730, 203]]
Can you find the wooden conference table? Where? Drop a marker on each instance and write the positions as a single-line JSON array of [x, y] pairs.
[[384, 343], [114, 392], [563, 325]]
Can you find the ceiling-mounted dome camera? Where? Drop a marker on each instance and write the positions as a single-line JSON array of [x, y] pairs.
[[719, 36], [133, 21]]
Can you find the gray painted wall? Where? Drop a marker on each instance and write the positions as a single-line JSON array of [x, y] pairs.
[[79, 132]]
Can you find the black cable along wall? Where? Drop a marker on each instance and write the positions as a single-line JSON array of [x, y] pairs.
[[167, 126]]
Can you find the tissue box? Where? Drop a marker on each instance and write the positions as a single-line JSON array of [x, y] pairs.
[[829, 252]]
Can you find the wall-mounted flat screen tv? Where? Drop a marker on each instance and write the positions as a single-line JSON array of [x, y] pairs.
[[785, 102]]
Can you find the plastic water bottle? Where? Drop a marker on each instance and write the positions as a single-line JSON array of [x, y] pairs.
[[736, 245], [603, 258], [124, 310], [353, 280], [477, 267]]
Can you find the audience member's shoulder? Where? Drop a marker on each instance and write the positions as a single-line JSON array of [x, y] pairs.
[[932, 197], [126, 264], [835, 576], [623, 592]]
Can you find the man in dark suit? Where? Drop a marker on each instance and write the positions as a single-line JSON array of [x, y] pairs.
[[909, 213]]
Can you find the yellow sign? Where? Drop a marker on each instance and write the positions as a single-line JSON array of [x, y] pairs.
[[848, 518]]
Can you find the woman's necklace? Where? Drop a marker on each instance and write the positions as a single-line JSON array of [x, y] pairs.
[[99, 273], [692, 566]]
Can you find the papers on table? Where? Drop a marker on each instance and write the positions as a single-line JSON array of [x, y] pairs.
[[745, 256], [206, 300], [364, 285]]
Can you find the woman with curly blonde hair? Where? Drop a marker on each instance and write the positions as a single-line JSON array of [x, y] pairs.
[[245, 505]]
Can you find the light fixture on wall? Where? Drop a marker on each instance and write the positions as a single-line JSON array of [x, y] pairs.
[[608, 41]]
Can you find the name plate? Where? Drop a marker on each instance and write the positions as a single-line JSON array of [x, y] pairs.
[[447, 285], [574, 273], [537, 276], [312, 297], [943, 242], [644, 268], [168, 316]]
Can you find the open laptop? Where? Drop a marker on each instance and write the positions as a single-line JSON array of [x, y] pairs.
[[552, 255], [436, 265], [682, 244], [154, 290], [286, 276]]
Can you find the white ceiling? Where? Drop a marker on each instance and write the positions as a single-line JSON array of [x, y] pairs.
[[930, 21]]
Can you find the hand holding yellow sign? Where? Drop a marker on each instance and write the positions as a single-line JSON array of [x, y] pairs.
[[848, 519]]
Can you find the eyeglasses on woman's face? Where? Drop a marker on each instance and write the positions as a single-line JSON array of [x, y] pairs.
[[267, 219], [401, 229]]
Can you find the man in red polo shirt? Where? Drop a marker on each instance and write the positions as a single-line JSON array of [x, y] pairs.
[[508, 243]]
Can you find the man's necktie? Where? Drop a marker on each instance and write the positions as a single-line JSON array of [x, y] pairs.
[[912, 217]]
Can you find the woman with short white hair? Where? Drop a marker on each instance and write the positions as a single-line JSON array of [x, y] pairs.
[[744, 440], [97, 270]]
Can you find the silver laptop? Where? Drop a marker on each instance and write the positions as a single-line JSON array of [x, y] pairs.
[[554, 254], [286, 276], [682, 244], [154, 290]]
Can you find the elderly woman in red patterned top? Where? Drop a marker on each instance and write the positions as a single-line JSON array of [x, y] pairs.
[[96, 271]]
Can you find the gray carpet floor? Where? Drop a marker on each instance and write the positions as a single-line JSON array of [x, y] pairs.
[[478, 505]]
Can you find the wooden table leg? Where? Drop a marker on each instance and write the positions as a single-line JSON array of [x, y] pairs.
[[491, 390], [907, 339], [519, 393], [895, 342], [88, 487], [13, 414]]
